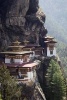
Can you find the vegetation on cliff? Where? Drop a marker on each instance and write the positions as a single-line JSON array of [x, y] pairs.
[[9, 88], [26, 20], [0, 97], [56, 87]]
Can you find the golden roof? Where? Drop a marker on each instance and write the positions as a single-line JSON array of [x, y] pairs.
[[16, 43], [16, 46], [49, 37], [30, 65], [22, 52]]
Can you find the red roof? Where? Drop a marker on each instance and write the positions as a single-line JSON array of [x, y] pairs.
[[30, 65], [24, 65], [15, 64]]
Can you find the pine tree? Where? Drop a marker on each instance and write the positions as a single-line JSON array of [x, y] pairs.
[[9, 88], [55, 82]]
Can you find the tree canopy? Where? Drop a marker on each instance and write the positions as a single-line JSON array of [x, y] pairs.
[[55, 82], [9, 87]]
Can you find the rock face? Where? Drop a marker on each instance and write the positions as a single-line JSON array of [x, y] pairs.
[[32, 90], [22, 18]]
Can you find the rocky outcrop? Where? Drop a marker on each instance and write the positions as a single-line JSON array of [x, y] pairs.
[[22, 18], [32, 90]]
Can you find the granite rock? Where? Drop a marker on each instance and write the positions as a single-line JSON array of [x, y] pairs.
[[22, 18]]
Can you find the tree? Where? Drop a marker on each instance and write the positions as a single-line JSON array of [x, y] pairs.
[[55, 82], [9, 88]]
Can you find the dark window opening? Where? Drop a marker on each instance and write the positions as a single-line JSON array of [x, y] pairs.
[[12, 60], [51, 51]]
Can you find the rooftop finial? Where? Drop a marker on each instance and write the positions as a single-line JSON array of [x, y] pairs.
[[26, 42]]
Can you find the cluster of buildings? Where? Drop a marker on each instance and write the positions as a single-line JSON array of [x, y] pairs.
[[20, 59]]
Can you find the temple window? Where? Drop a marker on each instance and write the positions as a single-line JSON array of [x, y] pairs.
[[51, 51], [12, 60]]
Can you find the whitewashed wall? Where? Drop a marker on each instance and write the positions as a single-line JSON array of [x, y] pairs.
[[48, 52], [30, 75], [7, 60], [18, 61]]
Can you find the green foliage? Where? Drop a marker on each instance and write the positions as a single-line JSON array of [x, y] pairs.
[[9, 88], [55, 82], [0, 97], [4, 74], [62, 51]]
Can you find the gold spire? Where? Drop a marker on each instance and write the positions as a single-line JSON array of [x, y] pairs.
[[26, 42], [16, 46]]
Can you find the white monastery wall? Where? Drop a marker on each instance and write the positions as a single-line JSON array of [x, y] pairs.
[[7, 60], [30, 75], [18, 61], [48, 52]]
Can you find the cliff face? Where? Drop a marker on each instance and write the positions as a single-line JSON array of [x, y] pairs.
[[22, 18]]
